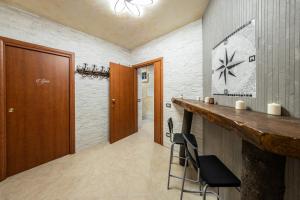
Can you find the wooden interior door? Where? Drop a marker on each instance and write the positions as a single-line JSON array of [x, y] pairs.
[[122, 102], [37, 107], [2, 115]]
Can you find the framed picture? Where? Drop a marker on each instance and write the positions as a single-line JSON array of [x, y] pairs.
[[145, 77], [234, 64]]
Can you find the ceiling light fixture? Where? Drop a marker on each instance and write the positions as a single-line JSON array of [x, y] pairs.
[[131, 6]]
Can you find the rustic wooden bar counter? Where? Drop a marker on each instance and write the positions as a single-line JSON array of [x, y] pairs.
[[267, 140]]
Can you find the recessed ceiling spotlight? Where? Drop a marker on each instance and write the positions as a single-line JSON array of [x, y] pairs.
[[131, 6]]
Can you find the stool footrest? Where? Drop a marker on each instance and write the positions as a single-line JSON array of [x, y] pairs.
[[195, 181], [201, 192]]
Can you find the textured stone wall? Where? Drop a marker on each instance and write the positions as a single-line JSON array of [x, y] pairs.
[[181, 49], [182, 53], [91, 94]]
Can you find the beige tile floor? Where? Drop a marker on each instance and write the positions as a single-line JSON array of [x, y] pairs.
[[134, 168]]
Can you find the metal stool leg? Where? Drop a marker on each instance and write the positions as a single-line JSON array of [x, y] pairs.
[[170, 164], [204, 192], [200, 185], [183, 179]]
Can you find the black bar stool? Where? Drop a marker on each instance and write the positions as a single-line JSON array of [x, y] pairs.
[[175, 139], [213, 172]]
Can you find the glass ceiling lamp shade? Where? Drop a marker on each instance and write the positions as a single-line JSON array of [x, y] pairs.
[[142, 2], [131, 6]]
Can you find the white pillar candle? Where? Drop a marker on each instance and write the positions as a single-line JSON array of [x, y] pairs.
[[206, 99], [240, 105], [274, 109]]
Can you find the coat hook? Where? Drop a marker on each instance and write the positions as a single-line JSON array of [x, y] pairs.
[[94, 72]]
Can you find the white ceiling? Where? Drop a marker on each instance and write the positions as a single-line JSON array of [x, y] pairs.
[[96, 17]]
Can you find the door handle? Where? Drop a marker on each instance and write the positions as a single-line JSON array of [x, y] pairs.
[[11, 110], [113, 102]]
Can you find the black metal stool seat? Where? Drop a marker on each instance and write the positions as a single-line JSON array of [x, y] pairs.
[[214, 173], [178, 138]]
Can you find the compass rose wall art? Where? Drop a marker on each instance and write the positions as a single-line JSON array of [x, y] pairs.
[[234, 64]]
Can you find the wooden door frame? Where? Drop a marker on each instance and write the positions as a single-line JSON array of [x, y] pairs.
[[16, 43], [158, 96]]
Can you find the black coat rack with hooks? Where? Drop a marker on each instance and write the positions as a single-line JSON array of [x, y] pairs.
[[92, 72]]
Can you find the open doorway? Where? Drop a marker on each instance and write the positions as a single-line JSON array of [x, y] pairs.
[[149, 90], [146, 100]]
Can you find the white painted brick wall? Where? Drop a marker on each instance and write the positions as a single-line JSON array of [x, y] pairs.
[[182, 53], [181, 49], [91, 94]]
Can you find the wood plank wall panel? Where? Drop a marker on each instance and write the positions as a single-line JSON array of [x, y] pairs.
[[278, 72]]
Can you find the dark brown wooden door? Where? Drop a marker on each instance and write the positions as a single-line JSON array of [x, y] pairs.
[[37, 103], [122, 102], [2, 115]]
